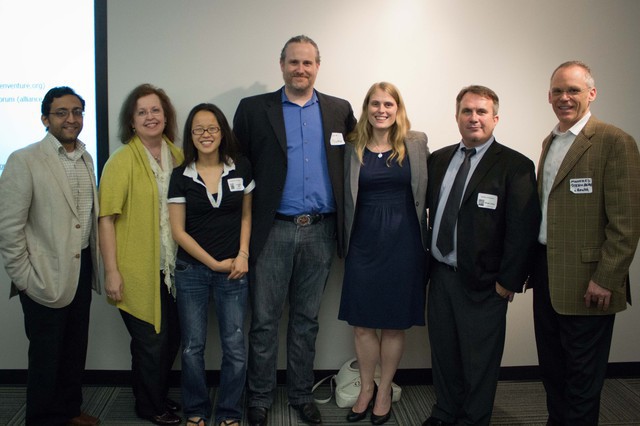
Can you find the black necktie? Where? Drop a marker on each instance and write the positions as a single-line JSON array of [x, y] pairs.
[[450, 213]]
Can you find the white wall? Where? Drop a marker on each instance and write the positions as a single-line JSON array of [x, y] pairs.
[[221, 51]]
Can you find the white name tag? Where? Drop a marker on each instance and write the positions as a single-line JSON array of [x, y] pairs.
[[336, 139], [487, 201], [235, 185], [581, 186]]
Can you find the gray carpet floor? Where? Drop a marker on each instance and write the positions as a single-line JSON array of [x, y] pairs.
[[517, 403]]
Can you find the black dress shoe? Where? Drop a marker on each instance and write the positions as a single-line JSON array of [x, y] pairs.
[[172, 405], [166, 418], [356, 417], [434, 421], [309, 413], [379, 420], [257, 416]]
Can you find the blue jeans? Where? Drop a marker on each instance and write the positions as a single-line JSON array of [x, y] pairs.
[[194, 286], [294, 264]]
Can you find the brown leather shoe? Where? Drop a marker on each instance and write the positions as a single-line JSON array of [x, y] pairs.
[[84, 420]]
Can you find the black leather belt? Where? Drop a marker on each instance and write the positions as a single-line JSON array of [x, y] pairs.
[[304, 219]]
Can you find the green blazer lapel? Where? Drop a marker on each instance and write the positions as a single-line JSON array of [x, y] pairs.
[[579, 146], [543, 156]]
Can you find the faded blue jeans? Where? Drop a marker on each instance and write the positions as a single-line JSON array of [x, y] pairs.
[[293, 265], [195, 284]]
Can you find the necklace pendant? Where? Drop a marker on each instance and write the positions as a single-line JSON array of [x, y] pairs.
[[379, 155]]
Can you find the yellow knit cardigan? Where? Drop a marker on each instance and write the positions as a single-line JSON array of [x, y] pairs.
[[128, 189]]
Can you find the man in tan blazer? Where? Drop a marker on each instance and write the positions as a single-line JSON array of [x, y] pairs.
[[49, 247], [589, 185]]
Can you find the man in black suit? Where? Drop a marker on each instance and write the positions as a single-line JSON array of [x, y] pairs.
[[483, 221], [294, 138]]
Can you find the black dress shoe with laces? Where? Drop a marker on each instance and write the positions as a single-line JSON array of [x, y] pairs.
[[166, 418], [257, 416], [309, 413], [434, 421]]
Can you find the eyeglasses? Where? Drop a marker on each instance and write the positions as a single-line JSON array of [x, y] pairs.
[[198, 131], [573, 91], [153, 111], [64, 113]]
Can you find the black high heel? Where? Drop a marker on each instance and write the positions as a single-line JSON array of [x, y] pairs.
[[356, 417], [379, 420]]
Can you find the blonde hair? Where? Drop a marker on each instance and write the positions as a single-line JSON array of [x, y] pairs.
[[363, 132]]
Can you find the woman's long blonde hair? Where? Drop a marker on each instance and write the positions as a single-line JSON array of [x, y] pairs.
[[363, 132]]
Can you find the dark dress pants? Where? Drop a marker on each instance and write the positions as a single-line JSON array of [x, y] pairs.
[[57, 352], [467, 331], [573, 352], [152, 355]]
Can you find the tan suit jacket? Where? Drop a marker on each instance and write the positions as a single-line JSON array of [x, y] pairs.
[[418, 152], [593, 236], [40, 238]]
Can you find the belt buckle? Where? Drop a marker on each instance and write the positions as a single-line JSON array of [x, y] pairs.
[[303, 220]]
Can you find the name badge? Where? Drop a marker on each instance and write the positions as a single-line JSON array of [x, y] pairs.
[[581, 186], [235, 185], [336, 139], [487, 201]]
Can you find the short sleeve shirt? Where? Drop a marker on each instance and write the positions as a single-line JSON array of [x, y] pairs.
[[212, 220]]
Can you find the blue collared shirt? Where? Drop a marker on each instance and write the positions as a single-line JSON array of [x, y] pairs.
[[445, 189], [307, 188]]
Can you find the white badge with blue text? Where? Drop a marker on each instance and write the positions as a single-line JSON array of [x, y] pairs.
[[581, 186], [487, 201], [336, 139], [235, 184]]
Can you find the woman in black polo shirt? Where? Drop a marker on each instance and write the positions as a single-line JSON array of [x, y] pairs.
[[210, 214]]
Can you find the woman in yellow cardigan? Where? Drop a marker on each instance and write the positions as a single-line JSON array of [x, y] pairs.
[[137, 247]]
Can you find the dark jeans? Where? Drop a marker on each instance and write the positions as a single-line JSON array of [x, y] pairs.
[[57, 353], [294, 266], [152, 355], [573, 352]]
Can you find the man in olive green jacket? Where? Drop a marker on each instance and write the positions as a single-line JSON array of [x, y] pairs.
[[589, 185]]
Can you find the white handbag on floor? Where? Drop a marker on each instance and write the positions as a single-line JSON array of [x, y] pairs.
[[347, 383]]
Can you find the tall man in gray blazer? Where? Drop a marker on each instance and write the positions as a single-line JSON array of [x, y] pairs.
[[589, 185], [294, 138], [49, 247], [480, 246]]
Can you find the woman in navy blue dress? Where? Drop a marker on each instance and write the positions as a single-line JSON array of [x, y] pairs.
[[384, 280]]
